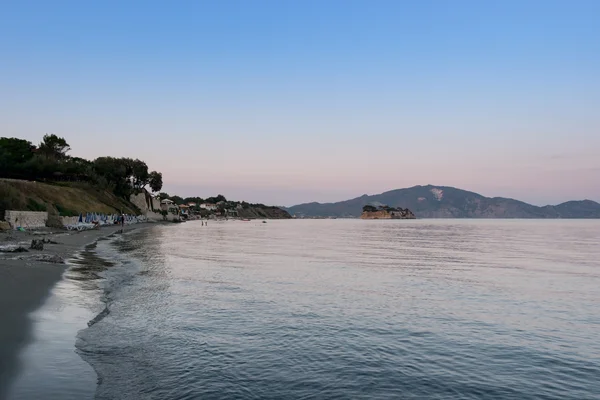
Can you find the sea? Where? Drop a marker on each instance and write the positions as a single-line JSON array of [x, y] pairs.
[[325, 309]]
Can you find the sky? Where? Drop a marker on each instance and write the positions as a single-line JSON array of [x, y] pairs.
[[285, 102]]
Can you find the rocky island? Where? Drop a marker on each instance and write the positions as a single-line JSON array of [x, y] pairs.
[[385, 212]]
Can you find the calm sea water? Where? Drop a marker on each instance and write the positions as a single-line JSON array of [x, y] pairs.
[[348, 309]]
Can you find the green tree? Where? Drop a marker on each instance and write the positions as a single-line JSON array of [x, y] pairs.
[[140, 176], [155, 181], [177, 200], [15, 151], [53, 146], [14, 154], [78, 169], [116, 171], [197, 200], [215, 200]]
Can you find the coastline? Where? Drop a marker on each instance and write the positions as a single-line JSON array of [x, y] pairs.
[[26, 283]]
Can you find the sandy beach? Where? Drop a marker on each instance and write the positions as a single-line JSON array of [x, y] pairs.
[[25, 282]]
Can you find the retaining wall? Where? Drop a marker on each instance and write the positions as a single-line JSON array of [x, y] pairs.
[[142, 200], [69, 220], [26, 219]]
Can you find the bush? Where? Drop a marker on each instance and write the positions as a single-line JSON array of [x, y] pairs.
[[33, 205], [65, 212]]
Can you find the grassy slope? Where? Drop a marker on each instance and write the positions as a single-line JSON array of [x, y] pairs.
[[69, 198]]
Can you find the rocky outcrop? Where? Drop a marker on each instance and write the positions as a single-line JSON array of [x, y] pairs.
[[256, 212], [37, 244], [370, 212]]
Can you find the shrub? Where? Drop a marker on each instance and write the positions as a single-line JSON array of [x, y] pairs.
[[65, 212], [33, 205]]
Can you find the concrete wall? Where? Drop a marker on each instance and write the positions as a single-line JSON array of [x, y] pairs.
[[142, 201], [26, 219], [153, 216], [69, 220]]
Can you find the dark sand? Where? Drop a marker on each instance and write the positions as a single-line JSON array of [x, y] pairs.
[[26, 282]]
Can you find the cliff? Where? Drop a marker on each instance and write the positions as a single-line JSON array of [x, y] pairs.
[[262, 212]]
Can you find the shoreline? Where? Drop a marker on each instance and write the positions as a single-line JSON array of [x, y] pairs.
[[26, 283]]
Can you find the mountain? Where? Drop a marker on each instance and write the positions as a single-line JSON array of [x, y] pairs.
[[448, 202]]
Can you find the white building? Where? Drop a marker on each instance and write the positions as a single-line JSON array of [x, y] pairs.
[[208, 206], [168, 205]]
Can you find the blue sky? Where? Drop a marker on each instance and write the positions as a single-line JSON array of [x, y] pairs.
[[292, 101]]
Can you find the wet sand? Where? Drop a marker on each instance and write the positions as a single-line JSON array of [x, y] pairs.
[[25, 283]]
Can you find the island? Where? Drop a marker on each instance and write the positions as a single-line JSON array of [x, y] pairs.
[[385, 212]]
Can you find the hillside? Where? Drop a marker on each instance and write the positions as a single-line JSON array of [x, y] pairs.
[[260, 211], [66, 199], [448, 202]]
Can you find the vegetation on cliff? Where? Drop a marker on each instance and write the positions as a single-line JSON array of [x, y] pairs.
[[65, 198], [46, 178], [68, 185], [49, 162]]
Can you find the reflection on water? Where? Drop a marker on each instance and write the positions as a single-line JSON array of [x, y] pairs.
[[51, 367], [86, 267], [343, 309]]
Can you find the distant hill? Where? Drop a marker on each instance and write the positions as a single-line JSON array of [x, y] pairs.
[[448, 202]]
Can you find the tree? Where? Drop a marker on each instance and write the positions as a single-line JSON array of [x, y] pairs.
[[163, 195], [139, 174], [197, 200], [116, 171], [53, 146], [123, 176], [215, 200], [78, 169], [177, 200], [155, 181], [15, 151], [14, 155], [369, 208]]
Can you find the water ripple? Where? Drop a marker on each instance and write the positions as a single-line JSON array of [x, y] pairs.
[[351, 309]]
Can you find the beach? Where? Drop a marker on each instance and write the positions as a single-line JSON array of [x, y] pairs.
[[25, 282]]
